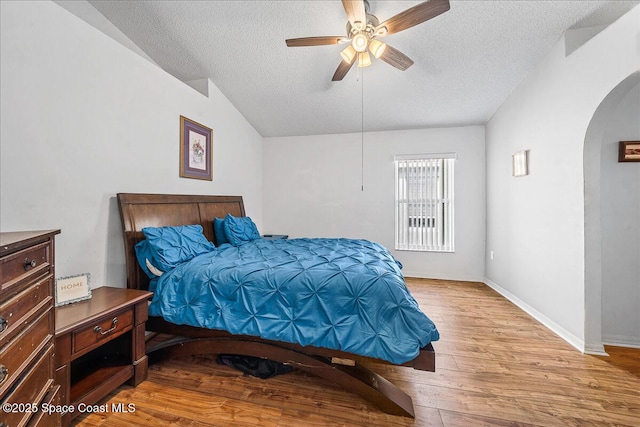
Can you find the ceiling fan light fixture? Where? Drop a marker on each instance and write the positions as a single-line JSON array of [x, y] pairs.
[[364, 60], [377, 48], [360, 42], [363, 30], [348, 54]]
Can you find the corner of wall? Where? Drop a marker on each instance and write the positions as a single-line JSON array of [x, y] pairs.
[[200, 85], [574, 39], [89, 14]]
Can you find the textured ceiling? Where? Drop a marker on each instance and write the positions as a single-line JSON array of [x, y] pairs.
[[467, 60]]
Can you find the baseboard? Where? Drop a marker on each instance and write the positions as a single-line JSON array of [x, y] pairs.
[[578, 343], [595, 349], [462, 278], [621, 341]]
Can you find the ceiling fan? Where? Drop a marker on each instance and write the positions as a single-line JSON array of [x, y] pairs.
[[364, 29]]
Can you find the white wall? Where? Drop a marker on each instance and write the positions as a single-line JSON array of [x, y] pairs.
[[84, 118], [535, 224], [620, 226], [312, 188]]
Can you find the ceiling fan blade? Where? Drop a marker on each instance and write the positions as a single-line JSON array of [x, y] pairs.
[[343, 69], [396, 58], [414, 16], [355, 11], [315, 41]]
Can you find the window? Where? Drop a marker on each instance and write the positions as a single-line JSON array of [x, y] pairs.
[[424, 202]]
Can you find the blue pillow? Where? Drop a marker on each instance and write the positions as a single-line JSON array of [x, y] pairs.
[[218, 230], [171, 246], [240, 230]]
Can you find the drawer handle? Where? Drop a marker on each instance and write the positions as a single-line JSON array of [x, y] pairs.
[[28, 263], [4, 373], [98, 329], [4, 324]]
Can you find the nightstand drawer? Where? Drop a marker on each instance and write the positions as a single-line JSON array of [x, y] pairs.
[[102, 330], [275, 236]]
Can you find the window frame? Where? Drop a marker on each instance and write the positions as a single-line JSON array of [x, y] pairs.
[[434, 199]]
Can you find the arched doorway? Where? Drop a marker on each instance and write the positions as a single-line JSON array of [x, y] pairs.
[[610, 293]]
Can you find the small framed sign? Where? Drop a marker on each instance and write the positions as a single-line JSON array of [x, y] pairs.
[[71, 289]]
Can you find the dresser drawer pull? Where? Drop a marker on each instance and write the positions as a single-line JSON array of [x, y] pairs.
[[4, 324], [28, 263], [98, 329], [4, 373]]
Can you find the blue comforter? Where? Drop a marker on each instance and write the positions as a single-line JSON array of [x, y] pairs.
[[341, 294]]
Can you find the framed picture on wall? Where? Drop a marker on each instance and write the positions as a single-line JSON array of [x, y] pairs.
[[629, 151], [520, 163], [196, 150]]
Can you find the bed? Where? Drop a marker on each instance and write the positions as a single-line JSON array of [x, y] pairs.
[[324, 356]]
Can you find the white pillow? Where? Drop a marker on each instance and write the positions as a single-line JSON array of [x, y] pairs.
[[153, 269]]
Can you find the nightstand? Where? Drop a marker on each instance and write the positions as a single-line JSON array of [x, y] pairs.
[[274, 236], [100, 344]]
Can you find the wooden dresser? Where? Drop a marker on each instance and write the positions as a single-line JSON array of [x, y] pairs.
[[27, 328]]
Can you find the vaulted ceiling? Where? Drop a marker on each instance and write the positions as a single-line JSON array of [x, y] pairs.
[[466, 61]]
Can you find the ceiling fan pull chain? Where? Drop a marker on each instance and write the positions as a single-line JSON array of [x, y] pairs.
[[362, 133]]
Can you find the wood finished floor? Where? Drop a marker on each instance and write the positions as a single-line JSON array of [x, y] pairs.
[[495, 366]]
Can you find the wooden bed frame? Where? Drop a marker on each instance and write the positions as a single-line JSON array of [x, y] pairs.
[[344, 369]]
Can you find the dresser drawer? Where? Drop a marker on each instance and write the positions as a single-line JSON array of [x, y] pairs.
[[19, 353], [31, 390], [101, 331], [17, 311], [42, 419], [24, 265]]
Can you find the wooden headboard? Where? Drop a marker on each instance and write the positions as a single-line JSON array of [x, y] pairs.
[[160, 210]]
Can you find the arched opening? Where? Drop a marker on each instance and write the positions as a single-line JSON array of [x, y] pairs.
[[612, 222]]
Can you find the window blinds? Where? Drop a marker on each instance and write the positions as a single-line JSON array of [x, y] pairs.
[[424, 202]]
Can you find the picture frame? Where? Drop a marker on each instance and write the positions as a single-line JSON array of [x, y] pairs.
[[629, 151], [520, 163], [72, 289], [196, 150]]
